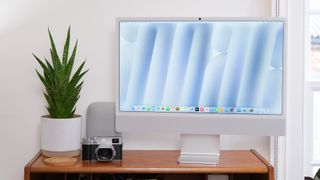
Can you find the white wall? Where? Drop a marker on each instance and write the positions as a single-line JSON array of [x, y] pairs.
[[23, 30]]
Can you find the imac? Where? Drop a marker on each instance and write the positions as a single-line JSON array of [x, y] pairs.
[[201, 77]]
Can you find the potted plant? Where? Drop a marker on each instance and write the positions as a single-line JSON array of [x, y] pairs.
[[61, 129]]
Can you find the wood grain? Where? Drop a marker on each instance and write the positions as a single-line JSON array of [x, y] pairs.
[[60, 161], [29, 166], [149, 161], [262, 159]]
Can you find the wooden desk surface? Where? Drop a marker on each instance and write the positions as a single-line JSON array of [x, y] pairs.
[[158, 161]]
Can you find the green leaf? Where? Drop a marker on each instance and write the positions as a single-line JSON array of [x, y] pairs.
[[73, 111], [53, 46], [75, 79], [71, 61], [66, 49], [47, 73], [43, 80], [51, 112], [49, 66], [50, 73], [47, 78], [73, 97], [40, 62], [76, 74], [55, 61], [317, 176], [49, 100]]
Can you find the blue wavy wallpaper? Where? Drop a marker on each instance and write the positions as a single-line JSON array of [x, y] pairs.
[[212, 67]]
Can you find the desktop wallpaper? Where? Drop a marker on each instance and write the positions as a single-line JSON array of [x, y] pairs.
[[201, 66]]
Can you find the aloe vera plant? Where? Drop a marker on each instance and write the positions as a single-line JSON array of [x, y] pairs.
[[62, 89]]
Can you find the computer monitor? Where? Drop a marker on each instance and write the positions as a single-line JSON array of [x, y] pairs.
[[201, 76]]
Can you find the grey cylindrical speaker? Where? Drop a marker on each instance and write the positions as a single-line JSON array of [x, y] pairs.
[[101, 119]]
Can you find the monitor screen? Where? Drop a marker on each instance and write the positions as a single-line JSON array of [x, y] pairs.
[[206, 67]]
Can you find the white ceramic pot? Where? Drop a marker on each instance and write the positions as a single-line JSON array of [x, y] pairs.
[[60, 137]]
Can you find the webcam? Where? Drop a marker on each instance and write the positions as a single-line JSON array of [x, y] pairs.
[[199, 18]]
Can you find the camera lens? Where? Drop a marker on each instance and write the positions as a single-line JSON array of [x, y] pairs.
[[105, 153]]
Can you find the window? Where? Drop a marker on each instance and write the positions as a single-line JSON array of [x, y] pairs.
[[313, 63], [312, 88]]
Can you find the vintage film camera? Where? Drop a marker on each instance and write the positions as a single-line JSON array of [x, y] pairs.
[[101, 148]]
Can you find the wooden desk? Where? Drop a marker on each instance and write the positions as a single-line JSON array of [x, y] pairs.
[[240, 164]]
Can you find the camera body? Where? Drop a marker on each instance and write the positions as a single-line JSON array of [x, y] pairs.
[[101, 148]]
